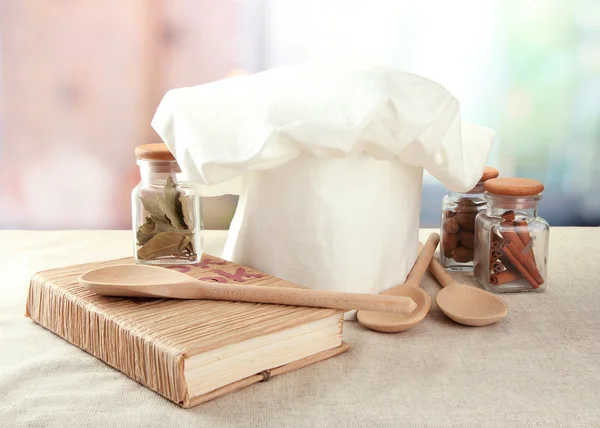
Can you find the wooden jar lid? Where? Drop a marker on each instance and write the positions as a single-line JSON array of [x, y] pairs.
[[154, 151], [507, 186], [489, 173]]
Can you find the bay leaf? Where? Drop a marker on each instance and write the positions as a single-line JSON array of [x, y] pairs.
[[162, 244], [170, 211], [184, 244], [152, 207], [171, 205], [142, 238], [190, 248], [164, 227], [148, 226], [187, 210], [146, 231], [187, 205]]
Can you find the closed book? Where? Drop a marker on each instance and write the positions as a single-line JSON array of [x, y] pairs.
[[188, 351]]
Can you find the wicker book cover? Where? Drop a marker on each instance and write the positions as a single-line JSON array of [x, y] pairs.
[[188, 351]]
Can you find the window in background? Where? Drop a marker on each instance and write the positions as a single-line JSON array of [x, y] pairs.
[[530, 71], [79, 85]]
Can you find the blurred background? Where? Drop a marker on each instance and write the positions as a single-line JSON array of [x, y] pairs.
[[80, 81]]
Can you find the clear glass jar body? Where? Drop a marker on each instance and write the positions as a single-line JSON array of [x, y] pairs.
[[166, 216], [457, 228], [511, 245]]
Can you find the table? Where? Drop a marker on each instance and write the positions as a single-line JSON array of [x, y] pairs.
[[540, 367]]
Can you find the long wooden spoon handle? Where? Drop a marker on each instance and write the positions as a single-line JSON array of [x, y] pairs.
[[423, 260], [438, 271], [305, 297]]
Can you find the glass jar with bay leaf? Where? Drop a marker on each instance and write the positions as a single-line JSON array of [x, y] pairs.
[[166, 214]]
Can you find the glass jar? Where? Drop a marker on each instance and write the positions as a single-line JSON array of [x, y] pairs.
[[166, 216], [511, 240], [458, 224]]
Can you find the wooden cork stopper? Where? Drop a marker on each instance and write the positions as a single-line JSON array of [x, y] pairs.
[[154, 151], [489, 173], [506, 186]]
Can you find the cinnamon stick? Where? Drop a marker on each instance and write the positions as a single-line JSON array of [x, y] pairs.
[[522, 228], [508, 216], [515, 247], [507, 264], [504, 277], [521, 269], [498, 242], [496, 254], [497, 266]]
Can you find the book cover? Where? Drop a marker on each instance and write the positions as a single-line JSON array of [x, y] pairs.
[[188, 351]]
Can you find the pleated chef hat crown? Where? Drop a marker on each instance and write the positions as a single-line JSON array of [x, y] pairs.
[[317, 152]]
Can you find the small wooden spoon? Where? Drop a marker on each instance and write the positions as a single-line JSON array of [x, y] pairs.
[[464, 304], [394, 323], [152, 281]]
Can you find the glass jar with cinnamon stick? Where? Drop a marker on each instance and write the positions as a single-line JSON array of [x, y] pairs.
[[457, 230], [511, 240], [166, 216]]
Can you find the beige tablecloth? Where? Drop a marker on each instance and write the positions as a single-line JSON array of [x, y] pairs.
[[540, 367]]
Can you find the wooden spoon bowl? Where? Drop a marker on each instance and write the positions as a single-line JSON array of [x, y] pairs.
[[470, 305], [394, 323], [466, 305], [383, 322]]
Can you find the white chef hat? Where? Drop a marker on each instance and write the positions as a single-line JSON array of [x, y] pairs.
[[328, 162]]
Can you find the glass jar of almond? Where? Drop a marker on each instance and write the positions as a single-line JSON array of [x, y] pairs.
[[457, 237]]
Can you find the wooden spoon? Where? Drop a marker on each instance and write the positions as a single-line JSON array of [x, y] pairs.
[[394, 323], [464, 304], [152, 281]]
